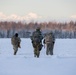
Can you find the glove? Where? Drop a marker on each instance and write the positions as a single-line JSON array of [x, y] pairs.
[[53, 42]]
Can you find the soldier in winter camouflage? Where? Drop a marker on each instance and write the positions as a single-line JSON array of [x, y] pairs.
[[37, 42], [49, 40], [15, 41]]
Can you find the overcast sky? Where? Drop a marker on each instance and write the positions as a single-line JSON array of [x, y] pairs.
[[38, 9]]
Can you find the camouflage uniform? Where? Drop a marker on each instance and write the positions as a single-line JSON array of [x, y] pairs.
[[15, 41], [37, 42], [49, 41]]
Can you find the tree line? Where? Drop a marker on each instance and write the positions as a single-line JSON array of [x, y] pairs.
[[60, 30]]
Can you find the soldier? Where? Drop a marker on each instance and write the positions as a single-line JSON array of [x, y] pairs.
[[15, 41], [49, 40], [37, 41]]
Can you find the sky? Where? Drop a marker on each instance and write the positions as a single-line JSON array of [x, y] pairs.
[[37, 9], [63, 62]]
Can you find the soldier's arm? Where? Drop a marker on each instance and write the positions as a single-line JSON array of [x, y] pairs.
[[44, 41], [12, 41], [19, 41], [53, 38]]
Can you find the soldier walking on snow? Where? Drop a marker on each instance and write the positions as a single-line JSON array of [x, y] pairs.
[[15, 41], [37, 41], [49, 40]]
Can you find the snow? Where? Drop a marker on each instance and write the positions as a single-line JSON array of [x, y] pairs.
[[63, 62]]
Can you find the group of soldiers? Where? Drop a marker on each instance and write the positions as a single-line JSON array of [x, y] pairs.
[[36, 40]]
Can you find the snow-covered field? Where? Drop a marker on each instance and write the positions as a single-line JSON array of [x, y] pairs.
[[63, 62]]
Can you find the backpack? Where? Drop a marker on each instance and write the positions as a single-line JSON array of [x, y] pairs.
[[36, 38], [14, 40]]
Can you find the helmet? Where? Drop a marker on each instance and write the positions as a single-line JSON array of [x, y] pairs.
[[16, 34], [50, 33], [38, 28]]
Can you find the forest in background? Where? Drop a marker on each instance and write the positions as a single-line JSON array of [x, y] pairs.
[[60, 30]]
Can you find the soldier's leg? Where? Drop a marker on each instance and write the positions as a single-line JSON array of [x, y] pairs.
[[34, 46], [15, 50], [39, 47], [51, 49], [38, 53], [35, 52], [47, 50]]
